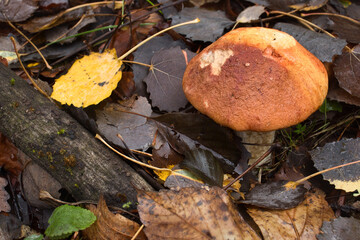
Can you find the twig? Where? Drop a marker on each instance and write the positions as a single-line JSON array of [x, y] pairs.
[[46, 63], [26, 72], [131, 159], [296, 183], [157, 34], [251, 167]]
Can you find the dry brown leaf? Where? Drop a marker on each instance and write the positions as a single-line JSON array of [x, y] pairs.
[[110, 226], [192, 213], [8, 156], [302, 222]]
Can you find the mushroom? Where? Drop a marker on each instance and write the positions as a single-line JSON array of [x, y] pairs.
[[256, 79]]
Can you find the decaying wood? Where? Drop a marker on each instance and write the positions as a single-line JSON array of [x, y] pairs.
[[59, 144]]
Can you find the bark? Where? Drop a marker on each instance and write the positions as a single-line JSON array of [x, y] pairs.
[[59, 144]]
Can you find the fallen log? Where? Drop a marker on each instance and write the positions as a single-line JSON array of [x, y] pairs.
[[64, 148]]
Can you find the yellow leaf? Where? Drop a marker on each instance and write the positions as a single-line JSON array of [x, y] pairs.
[[90, 80]]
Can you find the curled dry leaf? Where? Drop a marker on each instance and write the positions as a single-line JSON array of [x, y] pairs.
[[8, 156], [192, 213], [110, 226], [302, 222], [249, 14]]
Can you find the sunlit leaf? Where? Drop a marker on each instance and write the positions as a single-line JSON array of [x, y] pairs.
[[90, 80]]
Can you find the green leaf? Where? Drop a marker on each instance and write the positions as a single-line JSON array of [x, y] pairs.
[[34, 237], [329, 105], [68, 219]]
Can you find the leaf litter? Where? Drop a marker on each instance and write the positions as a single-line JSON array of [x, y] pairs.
[[164, 81], [184, 129], [192, 213], [109, 225], [137, 131], [336, 153], [212, 24]]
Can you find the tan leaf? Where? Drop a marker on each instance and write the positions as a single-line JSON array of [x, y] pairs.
[[302, 222], [192, 213], [110, 226]]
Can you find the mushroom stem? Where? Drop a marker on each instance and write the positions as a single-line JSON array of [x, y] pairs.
[[257, 143]]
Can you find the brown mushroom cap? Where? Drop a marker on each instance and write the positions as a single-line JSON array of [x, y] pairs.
[[256, 79]]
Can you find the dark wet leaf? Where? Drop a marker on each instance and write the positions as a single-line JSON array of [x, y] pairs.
[[339, 94], [347, 71], [337, 153], [346, 29], [319, 44], [165, 155], [203, 164], [64, 31], [4, 196], [199, 160], [54, 51], [46, 22], [136, 131], [211, 26], [164, 81], [17, 10], [204, 132], [340, 228], [274, 195], [144, 55], [10, 227]]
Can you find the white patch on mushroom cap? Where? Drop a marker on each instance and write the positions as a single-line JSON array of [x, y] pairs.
[[215, 59]]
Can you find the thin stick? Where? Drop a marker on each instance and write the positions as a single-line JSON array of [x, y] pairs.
[[309, 23], [138, 232], [157, 34], [46, 63], [112, 31], [131, 159], [249, 168], [296, 183], [303, 20], [141, 153], [331, 14], [26, 72]]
